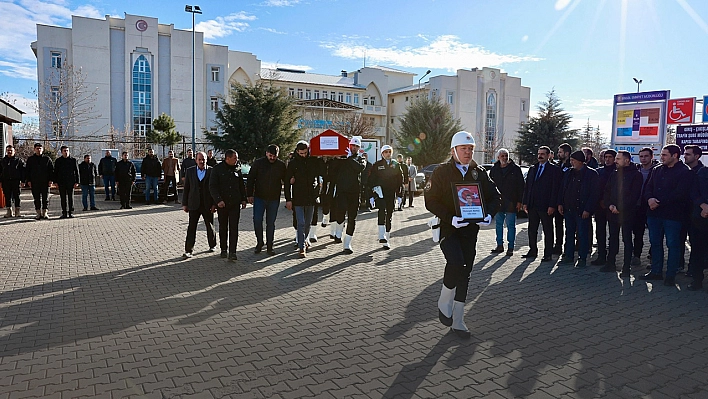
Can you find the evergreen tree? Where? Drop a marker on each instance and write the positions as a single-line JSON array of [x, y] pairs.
[[426, 130], [163, 132], [551, 127], [255, 117]]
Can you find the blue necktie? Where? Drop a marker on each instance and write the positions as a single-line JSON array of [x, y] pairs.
[[540, 171], [464, 169]]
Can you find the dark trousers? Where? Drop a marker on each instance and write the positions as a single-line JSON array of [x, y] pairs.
[[575, 223], [699, 252], [124, 188], [192, 228], [228, 227], [66, 193], [11, 191], [459, 252], [601, 233], [109, 182], [346, 204], [315, 217], [166, 186], [385, 207], [558, 222], [40, 193], [627, 226], [684, 237], [640, 222], [408, 194], [542, 217]]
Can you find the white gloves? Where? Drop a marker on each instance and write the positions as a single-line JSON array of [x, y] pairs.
[[372, 202], [486, 222], [377, 190], [457, 222], [349, 152]]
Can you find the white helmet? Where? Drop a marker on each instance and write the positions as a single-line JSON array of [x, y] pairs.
[[386, 147], [461, 138], [355, 141]]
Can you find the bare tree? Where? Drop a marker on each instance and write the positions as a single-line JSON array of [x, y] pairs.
[[356, 124]]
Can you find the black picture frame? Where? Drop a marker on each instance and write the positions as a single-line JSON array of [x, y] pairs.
[[469, 201]]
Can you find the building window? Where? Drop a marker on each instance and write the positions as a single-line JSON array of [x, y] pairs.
[[291, 92], [340, 97], [54, 94], [215, 74], [366, 100], [56, 59], [332, 95], [308, 94], [299, 94], [324, 94], [356, 99], [142, 96], [348, 98], [57, 129], [523, 106], [214, 104], [491, 120], [392, 121], [406, 98], [317, 94], [392, 100], [372, 100], [450, 97]]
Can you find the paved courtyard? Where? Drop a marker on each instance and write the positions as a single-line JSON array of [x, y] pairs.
[[103, 305]]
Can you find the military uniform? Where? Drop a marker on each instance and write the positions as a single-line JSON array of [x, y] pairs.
[[387, 175]]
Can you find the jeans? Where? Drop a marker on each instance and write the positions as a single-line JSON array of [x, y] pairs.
[[110, 182], [270, 208], [575, 223], [303, 215], [88, 191], [151, 184], [510, 219], [658, 228]]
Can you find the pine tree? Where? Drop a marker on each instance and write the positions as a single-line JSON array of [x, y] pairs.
[[163, 132], [551, 127]]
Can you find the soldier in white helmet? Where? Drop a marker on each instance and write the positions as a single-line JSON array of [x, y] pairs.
[[458, 238], [385, 180], [346, 175]]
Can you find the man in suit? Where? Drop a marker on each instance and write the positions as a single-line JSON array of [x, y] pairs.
[[197, 202], [540, 202], [229, 193]]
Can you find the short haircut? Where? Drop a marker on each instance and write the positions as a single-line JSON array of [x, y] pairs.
[[201, 152], [566, 148], [62, 148], [87, 156], [37, 145], [673, 149], [545, 148], [694, 148], [150, 149], [587, 150], [611, 152], [124, 153], [9, 146], [189, 150], [301, 146], [499, 152], [273, 149], [230, 153], [647, 149], [625, 154]]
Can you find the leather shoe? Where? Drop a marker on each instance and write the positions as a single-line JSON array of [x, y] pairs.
[[499, 249], [530, 255], [695, 286], [259, 248], [224, 254], [651, 277], [566, 259], [270, 252], [547, 258], [446, 321], [509, 252]]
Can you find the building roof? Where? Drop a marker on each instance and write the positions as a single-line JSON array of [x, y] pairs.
[[387, 69], [423, 86], [9, 113], [289, 75]]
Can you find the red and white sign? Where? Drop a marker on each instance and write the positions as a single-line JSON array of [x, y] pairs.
[[680, 110]]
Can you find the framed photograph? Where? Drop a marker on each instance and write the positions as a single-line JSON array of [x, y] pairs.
[[469, 201]]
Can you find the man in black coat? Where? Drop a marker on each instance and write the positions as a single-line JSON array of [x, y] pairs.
[[12, 171], [197, 202], [564, 151], [265, 183], [87, 180], [510, 181], [577, 200], [229, 193], [125, 177], [621, 196], [346, 175], [540, 202], [301, 190], [698, 229], [39, 172], [385, 180], [107, 171], [66, 175], [601, 212], [151, 171]]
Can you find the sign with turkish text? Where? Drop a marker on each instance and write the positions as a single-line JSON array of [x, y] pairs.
[[680, 110], [637, 123], [692, 134], [644, 96]]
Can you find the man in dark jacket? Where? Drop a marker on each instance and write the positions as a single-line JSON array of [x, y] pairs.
[[601, 212], [66, 175], [698, 230], [510, 181], [187, 163], [125, 177], [621, 195], [301, 191], [692, 158], [346, 175], [87, 180], [385, 180], [197, 202], [564, 151], [229, 193], [577, 201], [365, 188], [458, 238], [151, 170], [39, 172], [12, 171], [540, 202], [107, 171], [401, 199], [265, 182], [668, 196], [211, 161], [645, 167]]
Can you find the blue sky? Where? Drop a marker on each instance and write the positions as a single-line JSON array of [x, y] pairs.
[[588, 50]]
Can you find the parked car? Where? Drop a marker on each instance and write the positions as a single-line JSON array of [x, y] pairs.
[[137, 193], [419, 182], [428, 171]]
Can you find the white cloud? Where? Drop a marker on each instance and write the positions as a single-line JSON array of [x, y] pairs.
[[224, 26], [525, 38], [561, 4], [271, 30], [443, 52], [274, 65], [592, 107], [280, 3], [24, 104], [17, 69]]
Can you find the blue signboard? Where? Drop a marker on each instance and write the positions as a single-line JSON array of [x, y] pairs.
[[644, 96], [705, 109]]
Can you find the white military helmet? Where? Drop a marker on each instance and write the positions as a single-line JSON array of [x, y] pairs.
[[386, 147], [462, 138], [355, 141]]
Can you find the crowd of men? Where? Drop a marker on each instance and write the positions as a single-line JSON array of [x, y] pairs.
[[669, 198]]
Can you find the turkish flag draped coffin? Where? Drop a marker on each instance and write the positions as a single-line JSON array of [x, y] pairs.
[[330, 143]]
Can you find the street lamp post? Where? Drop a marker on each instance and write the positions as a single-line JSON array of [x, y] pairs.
[[421, 78], [193, 10], [638, 82]]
